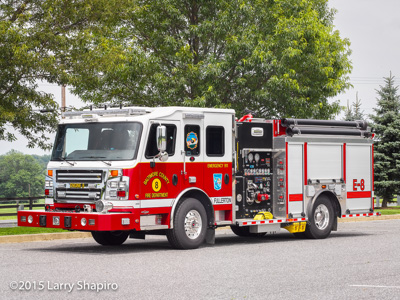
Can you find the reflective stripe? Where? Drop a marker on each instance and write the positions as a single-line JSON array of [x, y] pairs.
[[377, 214], [271, 221]]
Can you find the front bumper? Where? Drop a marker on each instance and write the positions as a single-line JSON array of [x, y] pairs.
[[74, 220]]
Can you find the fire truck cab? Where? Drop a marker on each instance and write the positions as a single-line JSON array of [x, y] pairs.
[[183, 172]]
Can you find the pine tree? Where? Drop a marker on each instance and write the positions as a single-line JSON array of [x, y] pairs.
[[387, 129], [348, 112], [358, 113], [353, 112]]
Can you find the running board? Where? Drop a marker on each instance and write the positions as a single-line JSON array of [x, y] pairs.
[[250, 222]]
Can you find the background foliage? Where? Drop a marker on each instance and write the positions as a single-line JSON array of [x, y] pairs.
[[276, 58], [387, 142], [20, 173]]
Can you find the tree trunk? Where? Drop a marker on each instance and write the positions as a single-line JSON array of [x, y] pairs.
[[385, 201]]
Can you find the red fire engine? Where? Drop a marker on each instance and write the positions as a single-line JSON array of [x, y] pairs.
[[183, 172]]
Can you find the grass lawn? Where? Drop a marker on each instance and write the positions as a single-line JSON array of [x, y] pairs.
[[392, 210], [28, 230], [14, 210]]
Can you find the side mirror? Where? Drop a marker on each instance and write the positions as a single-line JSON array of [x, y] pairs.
[[163, 156], [161, 137]]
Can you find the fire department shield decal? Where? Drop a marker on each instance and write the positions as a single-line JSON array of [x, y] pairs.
[[217, 181]]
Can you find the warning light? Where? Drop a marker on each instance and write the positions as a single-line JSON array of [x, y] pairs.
[[114, 173], [50, 173], [121, 194]]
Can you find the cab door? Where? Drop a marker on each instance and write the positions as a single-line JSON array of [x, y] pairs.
[[161, 179], [193, 150]]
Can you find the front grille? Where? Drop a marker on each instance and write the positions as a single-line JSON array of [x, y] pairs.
[[78, 186], [79, 176], [78, 194]]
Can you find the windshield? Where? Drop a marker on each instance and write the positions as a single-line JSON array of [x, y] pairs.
[[97, 141]]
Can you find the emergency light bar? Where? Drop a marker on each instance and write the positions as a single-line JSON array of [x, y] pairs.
[[107, 112]]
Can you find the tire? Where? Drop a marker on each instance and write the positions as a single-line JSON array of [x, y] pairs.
[[189, 225], [321, 219], [245, 231], [110, 238]]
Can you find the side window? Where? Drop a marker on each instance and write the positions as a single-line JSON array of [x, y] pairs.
[[192, 140], [215, 137], [151, 149]]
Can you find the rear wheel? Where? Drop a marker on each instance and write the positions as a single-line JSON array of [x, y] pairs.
[[110, 238], [321, 219], [245, 231], [190, 225]]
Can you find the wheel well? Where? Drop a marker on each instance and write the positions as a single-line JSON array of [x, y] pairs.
[[204, 199], [334, 201]]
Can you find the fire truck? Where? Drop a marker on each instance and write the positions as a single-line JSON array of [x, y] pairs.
[[183, 172]]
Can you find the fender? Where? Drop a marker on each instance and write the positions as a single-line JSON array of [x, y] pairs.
[[331, 196], [180, 196]]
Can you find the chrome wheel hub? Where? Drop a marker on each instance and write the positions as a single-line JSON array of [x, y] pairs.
[[321, 217], [193, 224]]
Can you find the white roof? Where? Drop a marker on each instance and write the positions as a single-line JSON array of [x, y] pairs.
[[137, 113]]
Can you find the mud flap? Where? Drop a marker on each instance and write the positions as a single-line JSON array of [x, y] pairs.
[[137, 235], [334, 225], [210, 236]]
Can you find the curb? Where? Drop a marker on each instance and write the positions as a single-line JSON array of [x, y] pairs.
[[5, 239], [43, 237]]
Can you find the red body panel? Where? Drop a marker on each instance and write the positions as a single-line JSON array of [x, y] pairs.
[[103, 222], [147, 183], [157, 182]]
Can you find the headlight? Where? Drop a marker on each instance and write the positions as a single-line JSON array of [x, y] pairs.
[[113, 184], [122, 184], [48, 183]]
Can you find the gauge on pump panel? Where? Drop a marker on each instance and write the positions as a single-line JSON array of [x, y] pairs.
[[239, 198], [257, 157], [250, 157]]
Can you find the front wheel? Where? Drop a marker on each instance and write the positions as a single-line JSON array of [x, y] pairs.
[[190, 225], [321, 219], [110, 238]]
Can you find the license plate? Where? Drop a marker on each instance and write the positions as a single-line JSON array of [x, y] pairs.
[[76, 185]]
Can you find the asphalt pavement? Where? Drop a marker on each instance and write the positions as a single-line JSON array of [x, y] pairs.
[[359, 261]]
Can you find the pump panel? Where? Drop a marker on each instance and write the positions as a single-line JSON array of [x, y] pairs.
[[255, 169]]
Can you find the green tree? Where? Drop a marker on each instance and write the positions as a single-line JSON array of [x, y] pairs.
[[43, 160], [277, 58], [39, 41], [354, 111], [387, 129], [19, 175]]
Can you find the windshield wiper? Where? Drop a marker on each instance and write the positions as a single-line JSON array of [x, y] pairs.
[[106, 162], [67, 161]]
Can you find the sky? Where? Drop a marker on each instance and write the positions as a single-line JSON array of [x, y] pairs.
[[373, 28]]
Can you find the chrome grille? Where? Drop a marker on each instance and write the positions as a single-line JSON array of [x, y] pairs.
[[78, 194], [88, 180], [79, 176]]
